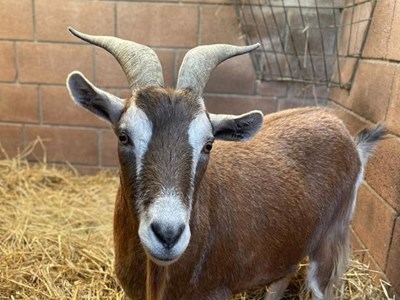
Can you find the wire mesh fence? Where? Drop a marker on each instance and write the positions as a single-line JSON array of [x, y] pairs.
[[309, 41]]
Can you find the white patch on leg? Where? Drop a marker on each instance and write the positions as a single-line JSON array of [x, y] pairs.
[[357, 185], [312, 281]]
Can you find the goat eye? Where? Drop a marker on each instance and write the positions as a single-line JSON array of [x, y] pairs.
[[123, 138], [207, 147]]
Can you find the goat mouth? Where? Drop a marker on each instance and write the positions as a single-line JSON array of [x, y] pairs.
[[162, 261]]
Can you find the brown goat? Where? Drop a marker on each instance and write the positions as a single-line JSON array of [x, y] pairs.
[[191, 226]]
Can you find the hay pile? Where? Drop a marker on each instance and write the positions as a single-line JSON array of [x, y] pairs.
[[55, 229], [357, 284], [56, 240]]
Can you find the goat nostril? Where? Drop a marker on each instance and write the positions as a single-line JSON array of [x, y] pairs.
[[156, 227], [168, 235]]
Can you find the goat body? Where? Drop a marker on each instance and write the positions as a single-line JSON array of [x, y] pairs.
[[194, 224], [261, 207]]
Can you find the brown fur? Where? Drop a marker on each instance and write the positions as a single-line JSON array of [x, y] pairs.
[[168, 160], [260, 208]]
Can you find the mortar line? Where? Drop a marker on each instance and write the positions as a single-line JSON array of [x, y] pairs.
[[23, 136], [396, 70], [115, 19], [99, 149], [80, 165], [77, 43], [235, 96], [255, 88], [361, 118], [361, 242], [377, 195], [391, 92], [199, 18], [94, 65], [277, 104], [294, 6], [48, 125], [367, 251], [392, 230], [57, 85], [68, 165], [365, 120], [16, 78], [59, 126], [16, 123], [40, 104], [33, 20], [175, 67], [396, 219], [16, 40], [390, 29], [364, 41]]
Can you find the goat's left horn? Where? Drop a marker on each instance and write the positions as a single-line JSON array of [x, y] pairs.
[[140, 63], [199, 62]]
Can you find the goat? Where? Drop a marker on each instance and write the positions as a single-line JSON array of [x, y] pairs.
[[191, 225]]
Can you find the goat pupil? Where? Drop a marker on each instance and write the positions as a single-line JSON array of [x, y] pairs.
[[122, 138], [208, 147]]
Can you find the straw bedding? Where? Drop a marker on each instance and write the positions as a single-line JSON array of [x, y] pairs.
[[56, 238]]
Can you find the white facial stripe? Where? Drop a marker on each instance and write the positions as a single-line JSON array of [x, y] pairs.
[[140, 129], [168, 207], [199, 132]]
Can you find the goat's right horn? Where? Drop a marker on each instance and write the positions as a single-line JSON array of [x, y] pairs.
[[140, 63], [202, 60]]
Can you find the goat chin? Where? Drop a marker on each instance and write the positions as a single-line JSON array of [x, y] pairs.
[[162, 262]]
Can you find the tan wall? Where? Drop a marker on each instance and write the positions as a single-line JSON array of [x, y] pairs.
[[375, 98], [37, 53]]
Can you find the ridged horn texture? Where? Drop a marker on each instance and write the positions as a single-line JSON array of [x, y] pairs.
[[199, 62], [140, 63]]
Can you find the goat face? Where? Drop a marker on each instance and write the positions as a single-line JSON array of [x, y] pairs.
[[165, 136], [157, 150], [165, 140]]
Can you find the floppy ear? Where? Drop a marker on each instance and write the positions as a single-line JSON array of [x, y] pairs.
[[236, 128], [99, 102]]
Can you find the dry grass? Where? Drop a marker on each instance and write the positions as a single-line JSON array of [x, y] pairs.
[[56, 233], [357, 284], [56, 240]]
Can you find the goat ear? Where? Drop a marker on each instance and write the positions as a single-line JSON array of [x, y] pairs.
[[99, 102], [236, 128]]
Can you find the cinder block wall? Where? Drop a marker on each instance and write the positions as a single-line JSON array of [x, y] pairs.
[[37, 53], [375, 98]]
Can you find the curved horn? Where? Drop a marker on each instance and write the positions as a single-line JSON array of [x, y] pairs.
[[199, 62], [140, 63]]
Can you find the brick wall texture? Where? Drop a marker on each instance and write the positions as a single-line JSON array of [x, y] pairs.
[[375, 98], [37, 53]]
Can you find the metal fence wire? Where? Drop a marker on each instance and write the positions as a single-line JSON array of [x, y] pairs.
[[309, 41]]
